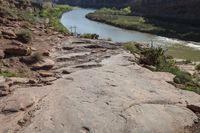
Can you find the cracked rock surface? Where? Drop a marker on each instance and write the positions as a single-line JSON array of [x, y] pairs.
[[107, 95]]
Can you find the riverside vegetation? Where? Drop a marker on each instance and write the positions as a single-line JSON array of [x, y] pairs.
[[123, 18], [162, 62], [53, 14]]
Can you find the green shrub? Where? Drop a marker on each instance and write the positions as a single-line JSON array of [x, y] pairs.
[[90, 36], [131, 47], [152, 56], [197, 67], [182, 77], [58, 26], [24, 36], [7, 74], [194, 88], [7, 12], [109, 39], [54, 13]]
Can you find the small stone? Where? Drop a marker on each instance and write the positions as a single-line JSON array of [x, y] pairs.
[[4, 87], [48, 79], [65, 72], [67, 48], [45, 74], [46, 54], [3, 93], [32, 81]]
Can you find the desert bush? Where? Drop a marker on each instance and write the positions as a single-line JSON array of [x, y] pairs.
[[109, 39], [53, 14], [7, 12], [197, 67], [152, 56], [90, 36], [182, 77], [8, 74], [24, 36], [132, 47]]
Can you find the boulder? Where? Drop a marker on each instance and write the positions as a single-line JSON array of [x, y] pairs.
[[2, 54], [45, 64], [17, 51], [4, 87], [18, 102]]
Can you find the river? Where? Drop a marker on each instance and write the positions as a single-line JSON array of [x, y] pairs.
[[77, 18]]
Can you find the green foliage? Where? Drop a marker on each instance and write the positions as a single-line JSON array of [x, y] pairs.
[[184, 52], [109, 39], [197, 67], [182, 77], [153, 56], [156, 57], [131, 47], [27, 16], [7, 74], [122, 18], [192, 87], [90, 36], [54, 13], [113, 11], [58, 26], [24, 35], [7, 12]]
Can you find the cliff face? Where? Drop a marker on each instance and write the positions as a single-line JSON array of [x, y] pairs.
[[180, 10]]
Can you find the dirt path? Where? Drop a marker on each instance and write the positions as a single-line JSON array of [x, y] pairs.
[[102, 91]]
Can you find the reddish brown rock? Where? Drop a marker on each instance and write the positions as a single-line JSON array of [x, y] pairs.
[[17, 51]]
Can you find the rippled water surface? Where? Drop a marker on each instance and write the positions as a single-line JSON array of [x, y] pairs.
[[77, 18]]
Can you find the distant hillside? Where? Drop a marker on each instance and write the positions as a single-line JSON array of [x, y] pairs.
[[176, 10], [181, 10], [95, 3]]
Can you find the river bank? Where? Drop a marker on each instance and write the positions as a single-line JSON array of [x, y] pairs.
[[148, 25]]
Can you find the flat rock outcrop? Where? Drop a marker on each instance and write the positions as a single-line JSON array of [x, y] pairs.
[[102, 92]]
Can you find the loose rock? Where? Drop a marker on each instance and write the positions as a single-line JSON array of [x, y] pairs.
[[17, 51], [2, 54], [45, 64], [18, 102]]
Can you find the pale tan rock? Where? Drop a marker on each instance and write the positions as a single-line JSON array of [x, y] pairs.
[[45, 64], [18, 102]]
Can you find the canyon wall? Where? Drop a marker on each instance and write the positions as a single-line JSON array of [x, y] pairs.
[[186, 11], [180, 10]]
